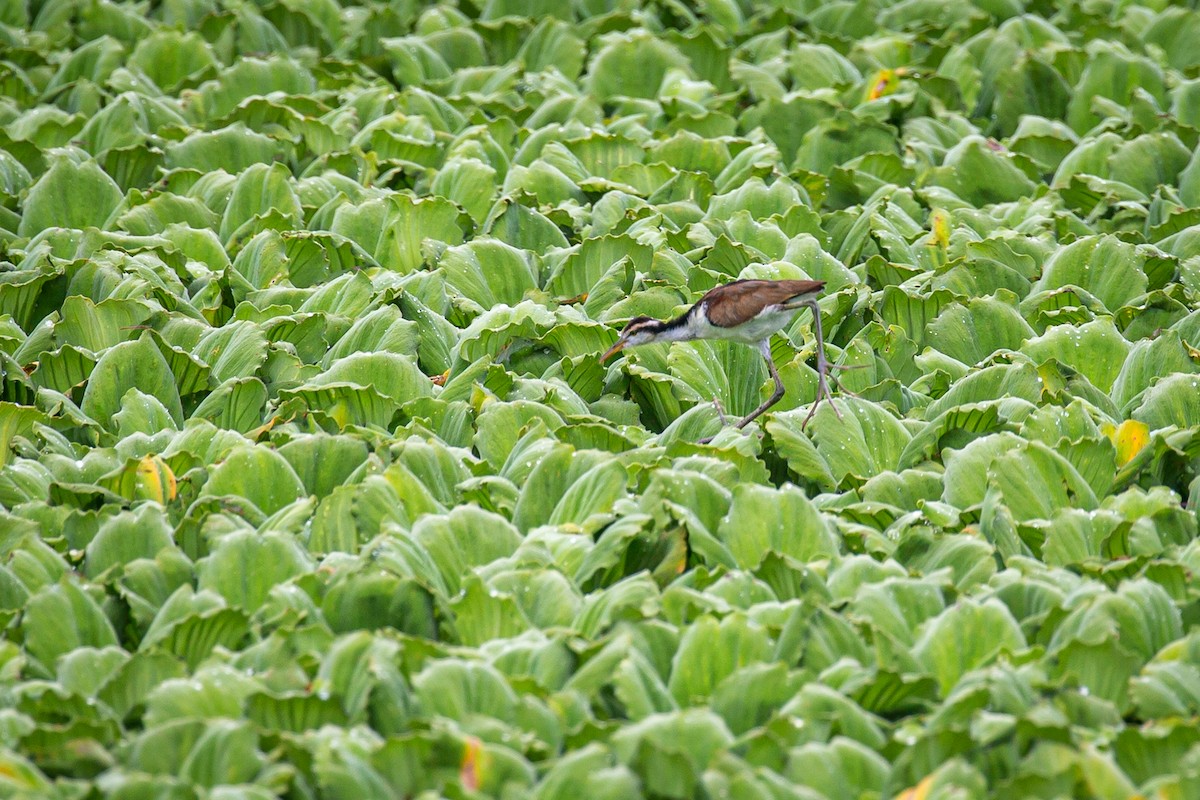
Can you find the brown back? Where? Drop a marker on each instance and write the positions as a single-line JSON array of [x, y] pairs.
[[739, 301]]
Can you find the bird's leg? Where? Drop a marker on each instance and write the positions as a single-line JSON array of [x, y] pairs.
[[823, 367], [764, 347]]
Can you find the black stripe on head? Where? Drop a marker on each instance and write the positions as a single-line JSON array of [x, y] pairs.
[[642, 323]]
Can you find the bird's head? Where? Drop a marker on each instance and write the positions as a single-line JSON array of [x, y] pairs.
[[638, 330]]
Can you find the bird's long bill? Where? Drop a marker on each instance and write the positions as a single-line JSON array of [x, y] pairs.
[[612, 351]]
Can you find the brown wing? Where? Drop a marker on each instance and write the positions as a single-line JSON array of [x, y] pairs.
[[739, 301]]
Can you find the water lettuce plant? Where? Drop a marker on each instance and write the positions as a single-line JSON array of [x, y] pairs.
[[312, 485]]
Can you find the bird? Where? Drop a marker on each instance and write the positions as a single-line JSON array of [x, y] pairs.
[[746, 311]]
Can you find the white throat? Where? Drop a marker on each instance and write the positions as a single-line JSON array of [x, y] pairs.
[[683, 333]]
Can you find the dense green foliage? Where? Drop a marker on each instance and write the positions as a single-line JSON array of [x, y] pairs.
[[311, 485]]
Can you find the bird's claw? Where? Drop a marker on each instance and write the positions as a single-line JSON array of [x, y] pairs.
[[823, 393], [720, 412], [716, 401], [817, 404]]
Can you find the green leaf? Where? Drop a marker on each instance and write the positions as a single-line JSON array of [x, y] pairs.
[[261, 193], [225, 752], [277, 557], [64, 369], [731, 373], [1172, 401], [580, 271], [631, 64], [257, 475], [1148, 361], [323, 462], [236, 405], [235, 350], [1103, 266], [523, 227], [99, 326], [566, 486], [971, 333], [840, 138], [710, 651], [252, 76], [841, 768], [457, 690], [1111, 72], [22, 775], [171, 58], [866, 441], [470, 183], [483, 615], [966, 636], [233, 149], [763, 521], [130, 365], [976, 172], [594, 494], [1096, 349], [393, 229], [1149, 161], [128, 686], [62, 617], [506, 279], [589, 768], [670, 751], [16, 420], [126, 537], [293, 713], [69, 195], [1086, 645], [464, 539], [392, 375], [370, 600], [1017, 382]]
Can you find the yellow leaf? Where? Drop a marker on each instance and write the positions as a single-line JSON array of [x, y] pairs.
[[339, 412], [884, 82], [155, 480], [939, 226], [470, 772], [266, 427], [1129, 437], [918, 792], [480, 397], [938, 243], [7, 772]]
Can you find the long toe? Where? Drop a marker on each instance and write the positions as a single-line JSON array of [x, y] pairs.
[[812, 410], [829, 399], [823, 394], [720, 412]]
